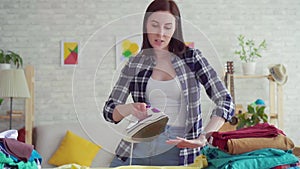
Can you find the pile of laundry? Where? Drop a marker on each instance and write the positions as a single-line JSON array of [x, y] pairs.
[[16, 154], [260, 146]]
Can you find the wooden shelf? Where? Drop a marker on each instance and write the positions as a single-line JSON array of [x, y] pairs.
[[13, 117], [28, 114], [29, 104], [17, 114], [250, 76], [275, 96], [273, 115]]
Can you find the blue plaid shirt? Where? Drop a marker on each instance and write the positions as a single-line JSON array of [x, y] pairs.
[[192, 70]]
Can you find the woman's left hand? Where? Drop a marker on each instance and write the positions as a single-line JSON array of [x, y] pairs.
[[184, 143]]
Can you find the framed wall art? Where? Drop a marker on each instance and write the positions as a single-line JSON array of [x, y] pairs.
[[70, 53], [129, 46], [126, 48], [190, 44]]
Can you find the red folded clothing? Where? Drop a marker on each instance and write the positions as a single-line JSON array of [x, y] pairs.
[[264, 130], [20, 150], [287, 166]]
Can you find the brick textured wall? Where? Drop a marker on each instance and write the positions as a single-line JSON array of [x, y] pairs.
[[34, 29]]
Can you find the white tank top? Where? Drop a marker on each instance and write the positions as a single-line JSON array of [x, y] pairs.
[[168, 97]]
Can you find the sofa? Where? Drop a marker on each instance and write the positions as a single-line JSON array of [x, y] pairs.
[[48, 137]]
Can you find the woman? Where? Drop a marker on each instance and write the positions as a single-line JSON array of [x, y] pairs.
[[167, 75]]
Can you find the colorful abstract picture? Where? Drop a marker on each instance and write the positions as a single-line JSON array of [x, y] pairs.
[[126, 48], [129, 47], [190, 44], [69, 53]]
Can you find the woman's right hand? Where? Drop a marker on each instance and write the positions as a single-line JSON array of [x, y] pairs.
[[139, 110]]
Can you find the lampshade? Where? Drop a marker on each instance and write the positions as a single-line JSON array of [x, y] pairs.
[[13, 83]]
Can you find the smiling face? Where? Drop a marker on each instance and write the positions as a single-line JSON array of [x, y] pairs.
[[160, 29]]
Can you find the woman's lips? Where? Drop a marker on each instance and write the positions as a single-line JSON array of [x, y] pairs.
[[158, 42]]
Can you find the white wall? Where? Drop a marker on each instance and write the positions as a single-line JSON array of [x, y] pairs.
[[35, 28]]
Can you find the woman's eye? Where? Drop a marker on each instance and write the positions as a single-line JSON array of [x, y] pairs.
[[168, 28], [154, 25]]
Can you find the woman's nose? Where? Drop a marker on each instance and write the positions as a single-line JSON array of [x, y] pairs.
[[160, 32]]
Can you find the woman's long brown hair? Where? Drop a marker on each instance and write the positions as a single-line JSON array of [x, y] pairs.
[[176, 45]]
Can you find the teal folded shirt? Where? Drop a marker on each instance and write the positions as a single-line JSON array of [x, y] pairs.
[[20, 165], [258, 159]]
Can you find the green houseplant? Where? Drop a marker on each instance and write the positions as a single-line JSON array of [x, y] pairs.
[[10, 57], [1, 101], [248, 52], [255, 114]]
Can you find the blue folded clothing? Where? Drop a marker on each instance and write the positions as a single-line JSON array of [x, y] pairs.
[[262, 159]]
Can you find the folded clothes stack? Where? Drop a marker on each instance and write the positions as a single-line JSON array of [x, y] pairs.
[[259, 146], [16, 154]]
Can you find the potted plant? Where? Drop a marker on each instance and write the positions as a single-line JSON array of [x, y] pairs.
[[248, 52], [9, 57], [1, 101], [255, 114]]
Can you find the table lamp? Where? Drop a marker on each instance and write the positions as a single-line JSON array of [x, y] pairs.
[[13, 84]]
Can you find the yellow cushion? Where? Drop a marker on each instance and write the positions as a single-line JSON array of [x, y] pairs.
[[74, 149]]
